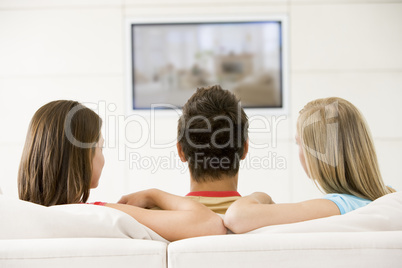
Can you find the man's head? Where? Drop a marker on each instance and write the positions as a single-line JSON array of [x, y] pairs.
[[212, 134]]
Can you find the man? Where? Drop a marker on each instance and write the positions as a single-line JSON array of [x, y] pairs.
[[212, 138]]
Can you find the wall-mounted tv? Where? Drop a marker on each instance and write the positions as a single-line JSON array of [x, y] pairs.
[[169, 60]]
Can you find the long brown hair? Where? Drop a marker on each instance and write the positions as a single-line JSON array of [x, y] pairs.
[[339, 150], [56, 163]]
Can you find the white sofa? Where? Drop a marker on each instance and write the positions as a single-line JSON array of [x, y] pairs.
[[92, 236]]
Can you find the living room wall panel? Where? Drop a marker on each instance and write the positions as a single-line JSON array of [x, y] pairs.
[[60, 4], [113, 183], [144, 172], [10, 156], [302, 187], [24, 95], [268, 170], [346, 37], [390, 159], [203, 8], [61, 41]]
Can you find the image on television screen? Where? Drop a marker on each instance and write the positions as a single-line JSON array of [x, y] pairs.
[[170, 61]]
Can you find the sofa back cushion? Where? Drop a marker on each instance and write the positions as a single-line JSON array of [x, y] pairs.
[[383, 214], [25, 220]]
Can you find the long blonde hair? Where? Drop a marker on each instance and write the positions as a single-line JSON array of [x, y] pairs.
[[339, 150], [53, 169]]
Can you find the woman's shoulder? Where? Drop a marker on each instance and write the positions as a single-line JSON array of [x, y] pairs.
[[347, 202]]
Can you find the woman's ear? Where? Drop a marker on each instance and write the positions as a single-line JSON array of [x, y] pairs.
[[181, 153], [245, 150]]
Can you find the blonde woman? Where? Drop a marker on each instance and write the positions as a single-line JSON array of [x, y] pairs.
[[62, 160], [337, 152]]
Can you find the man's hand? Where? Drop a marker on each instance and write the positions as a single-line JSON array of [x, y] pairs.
[[142, 199]]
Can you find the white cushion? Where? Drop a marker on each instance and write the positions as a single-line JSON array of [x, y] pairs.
[[82, 252], [309, 250], [383, 214], [25, 220]]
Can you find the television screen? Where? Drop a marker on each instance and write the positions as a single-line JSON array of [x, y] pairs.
[[171, 60]]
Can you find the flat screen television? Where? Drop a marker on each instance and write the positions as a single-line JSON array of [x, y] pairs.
[[169, 60]]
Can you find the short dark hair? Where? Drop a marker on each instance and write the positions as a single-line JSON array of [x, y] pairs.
[[212, 132]]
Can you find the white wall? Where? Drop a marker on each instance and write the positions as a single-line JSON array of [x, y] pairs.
[[71, 49]]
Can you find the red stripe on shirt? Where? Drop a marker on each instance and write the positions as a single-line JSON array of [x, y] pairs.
[[97, 203]]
